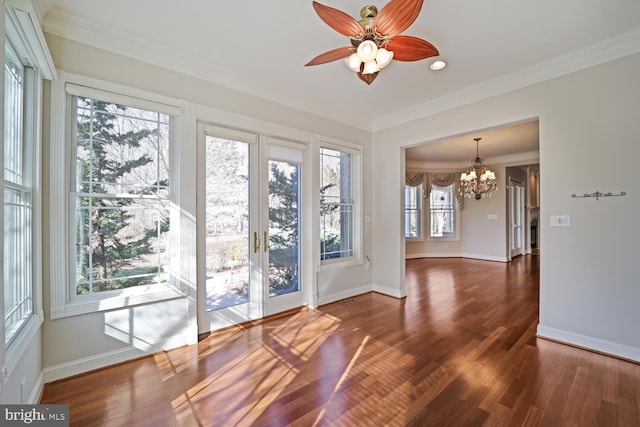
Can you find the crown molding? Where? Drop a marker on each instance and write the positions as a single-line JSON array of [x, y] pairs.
[[127, 44], [134, 46], [599, 53]]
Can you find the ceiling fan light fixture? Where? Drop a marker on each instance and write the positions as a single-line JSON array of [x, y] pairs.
[[367, 50], [384, 57], [370, 67], [353, 62], [437, 65]]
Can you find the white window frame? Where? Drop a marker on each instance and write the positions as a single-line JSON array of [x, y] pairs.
[[357, 190], [455, 236], [419, 208], [22, 185], [22, 30], [64, 302]]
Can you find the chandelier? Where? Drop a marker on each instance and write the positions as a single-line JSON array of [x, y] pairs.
[[478, 181]]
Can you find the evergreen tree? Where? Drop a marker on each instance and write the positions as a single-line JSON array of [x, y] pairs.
[[109, 160], [283, 216]]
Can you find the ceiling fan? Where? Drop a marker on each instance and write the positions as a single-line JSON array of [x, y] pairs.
[[375, 40]]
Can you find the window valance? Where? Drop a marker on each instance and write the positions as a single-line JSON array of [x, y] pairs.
[[415, 179], [441, 179]]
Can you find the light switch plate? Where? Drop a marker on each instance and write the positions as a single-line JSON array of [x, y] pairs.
[[560, 220]]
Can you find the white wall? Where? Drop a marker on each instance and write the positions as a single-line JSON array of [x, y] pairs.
[[78, 343], [588, 141], [482, 237], [433, 248], [29, 369]]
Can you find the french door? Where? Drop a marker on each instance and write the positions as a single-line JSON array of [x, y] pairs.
[[249, 226]]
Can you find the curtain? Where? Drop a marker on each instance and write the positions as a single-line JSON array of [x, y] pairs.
[[441, 179]]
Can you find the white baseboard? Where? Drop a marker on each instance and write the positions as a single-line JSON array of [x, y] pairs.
[[34, 397], [392, 292], [457, 255], [97, 361], [326, 299], [433, 255], [86, 364], [486, 257], [590, 343]]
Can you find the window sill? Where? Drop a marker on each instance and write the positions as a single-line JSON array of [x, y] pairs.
[[414, 239], [91, 303], [339, 263], [444, 239]]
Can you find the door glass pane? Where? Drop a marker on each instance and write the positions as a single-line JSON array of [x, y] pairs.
[[284, 228], [227, 222]]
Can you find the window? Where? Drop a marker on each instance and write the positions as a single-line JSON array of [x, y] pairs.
[[339, 203], [442, 211], [27, 64], [413, 212], [114, 217], [18, 195], [121, 196]]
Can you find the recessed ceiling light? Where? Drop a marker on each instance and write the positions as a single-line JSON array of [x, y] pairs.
[[437, 65]]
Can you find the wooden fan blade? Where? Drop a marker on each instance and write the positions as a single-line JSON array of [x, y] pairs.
[[332, 55], [396, 17], [407, 48], [339, 21], [367, 78]]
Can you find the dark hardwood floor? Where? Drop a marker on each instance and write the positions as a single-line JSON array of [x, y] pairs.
[[459, 350]]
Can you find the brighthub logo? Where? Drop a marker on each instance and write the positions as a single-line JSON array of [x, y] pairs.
[[43, 415]]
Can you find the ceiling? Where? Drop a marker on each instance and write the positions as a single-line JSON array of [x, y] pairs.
[[260, 47], [502, 144]]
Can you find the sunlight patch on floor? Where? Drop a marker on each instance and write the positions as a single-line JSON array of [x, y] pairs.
[[303, 335], [268, 368], [172, 363], [224, 394]]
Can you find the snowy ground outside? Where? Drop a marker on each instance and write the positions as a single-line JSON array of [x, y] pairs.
[[227, 289]]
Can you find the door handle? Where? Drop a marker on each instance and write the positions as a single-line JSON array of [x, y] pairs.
[[265, 245], [256, 242]]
